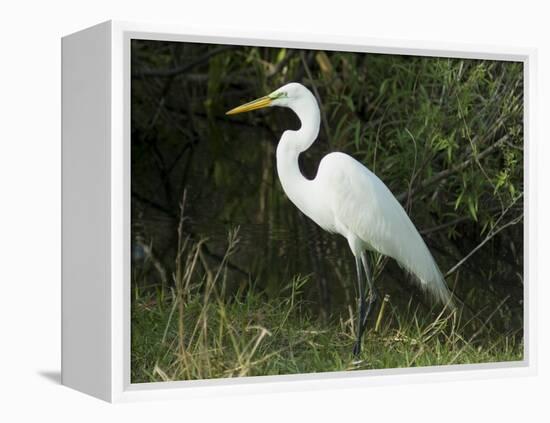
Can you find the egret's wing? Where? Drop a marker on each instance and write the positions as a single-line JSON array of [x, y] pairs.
[[362, 203]]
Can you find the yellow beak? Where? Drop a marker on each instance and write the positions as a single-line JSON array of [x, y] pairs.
[[259, 103]]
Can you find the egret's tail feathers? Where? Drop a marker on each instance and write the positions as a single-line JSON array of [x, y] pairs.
[[427, 274], [437, 287]]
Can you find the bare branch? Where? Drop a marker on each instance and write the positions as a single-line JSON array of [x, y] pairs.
[[453, 222], [455, 169], [489, 236]]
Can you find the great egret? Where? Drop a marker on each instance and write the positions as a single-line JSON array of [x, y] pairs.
[[347, 198]]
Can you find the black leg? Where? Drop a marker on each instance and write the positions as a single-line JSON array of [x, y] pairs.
[[362, 309], [372, 294]]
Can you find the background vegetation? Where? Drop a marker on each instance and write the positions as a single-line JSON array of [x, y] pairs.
[[230, 279]]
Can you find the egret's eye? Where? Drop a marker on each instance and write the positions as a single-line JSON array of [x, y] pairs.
[[279, 94]]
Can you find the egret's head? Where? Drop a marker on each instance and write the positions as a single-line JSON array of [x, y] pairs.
[[282, 97]]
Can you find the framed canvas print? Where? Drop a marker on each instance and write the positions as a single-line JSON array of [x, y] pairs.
[[259, 212]]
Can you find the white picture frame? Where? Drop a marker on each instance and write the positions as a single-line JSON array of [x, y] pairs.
[[96, 227]]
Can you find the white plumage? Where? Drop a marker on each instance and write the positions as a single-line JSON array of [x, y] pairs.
[[347, 198], [364, 210]]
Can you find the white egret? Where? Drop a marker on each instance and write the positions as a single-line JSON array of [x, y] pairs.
[[347, 198]]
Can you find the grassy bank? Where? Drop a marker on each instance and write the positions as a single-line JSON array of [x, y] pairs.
[[203, 336]]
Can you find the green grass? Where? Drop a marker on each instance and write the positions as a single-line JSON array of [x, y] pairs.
[[196, 330], [206, 337]]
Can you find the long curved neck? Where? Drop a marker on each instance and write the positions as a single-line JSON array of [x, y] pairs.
[[307, 110], [293, 143]]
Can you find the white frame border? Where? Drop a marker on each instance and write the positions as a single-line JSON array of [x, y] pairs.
[[119, 284]]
